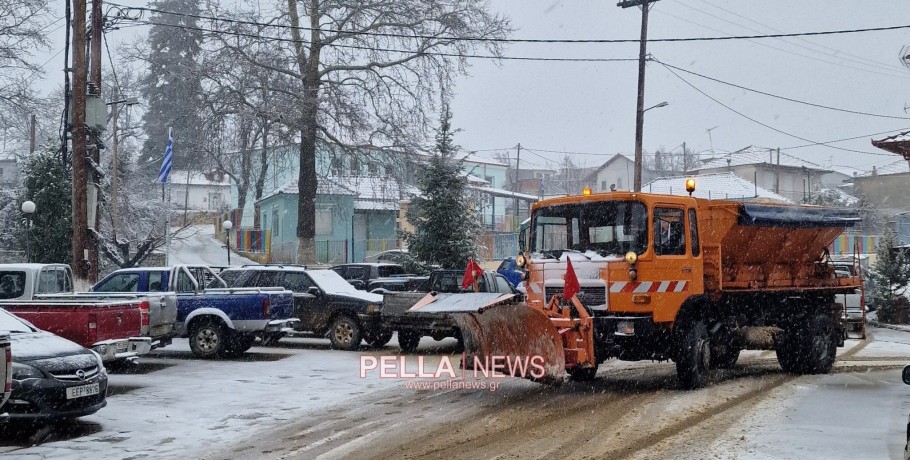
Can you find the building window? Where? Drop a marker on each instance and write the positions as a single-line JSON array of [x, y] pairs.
[[276, 228], [324, 221], [603, 186], [491, 180], [337, 167], [355, 166], [374, 169], [619, 183]]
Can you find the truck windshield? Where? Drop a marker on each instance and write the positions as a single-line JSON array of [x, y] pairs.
[[605, 228]]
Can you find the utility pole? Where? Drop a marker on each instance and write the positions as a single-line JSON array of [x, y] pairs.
[[517, 187], [640, 110], [115, 165], [685, 159], [777, 174], [80, 179], [95, 136]]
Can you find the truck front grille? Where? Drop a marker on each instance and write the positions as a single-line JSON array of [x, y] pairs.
[[71, 375], [589, 296]]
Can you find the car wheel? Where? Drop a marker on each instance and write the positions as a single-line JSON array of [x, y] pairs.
[[694, 359], [408, 340], [208, 339], [344, 333]]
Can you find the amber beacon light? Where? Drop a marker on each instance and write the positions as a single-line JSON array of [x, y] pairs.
[[690, 186]]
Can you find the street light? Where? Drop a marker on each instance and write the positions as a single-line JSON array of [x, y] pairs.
[[227, 226], [639, 128], [662, 104], [28, 208]]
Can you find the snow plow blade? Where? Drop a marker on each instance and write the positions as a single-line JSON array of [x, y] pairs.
[[495, 325]]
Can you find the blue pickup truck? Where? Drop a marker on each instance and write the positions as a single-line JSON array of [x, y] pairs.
[[218, 321]]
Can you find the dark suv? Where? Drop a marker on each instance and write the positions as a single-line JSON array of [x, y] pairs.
[[326, 304], [360, 275]]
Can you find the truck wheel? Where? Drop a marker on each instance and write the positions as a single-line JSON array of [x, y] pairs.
[[693, 360], [582, 375], [724, 356], [809, 346], [208, 339], [408, 340], [379, 339], [344, 333]]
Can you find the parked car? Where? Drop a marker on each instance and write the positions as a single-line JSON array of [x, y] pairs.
[[42, 294], [905, 375], [360, 275], [219, 322], [411, 325], [400, 257], [6, 372], [396, 284], [52, 378], [511, 271], [325, 303]]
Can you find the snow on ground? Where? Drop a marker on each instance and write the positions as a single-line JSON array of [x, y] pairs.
[[179, 407], [197, 245]]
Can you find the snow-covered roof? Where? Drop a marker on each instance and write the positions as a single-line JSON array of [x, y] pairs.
[[898, 166], [753, 155], [324, 186], [719, 186], [376, 188], [197, 178], [474, 180], [503, 193]]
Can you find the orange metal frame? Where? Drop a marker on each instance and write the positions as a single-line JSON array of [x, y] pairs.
[[577, 332]]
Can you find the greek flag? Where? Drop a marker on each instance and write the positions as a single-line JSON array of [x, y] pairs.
[[168, 159]]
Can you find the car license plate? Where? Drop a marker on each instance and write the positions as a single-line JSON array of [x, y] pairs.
[[122, 346], [84, 390]]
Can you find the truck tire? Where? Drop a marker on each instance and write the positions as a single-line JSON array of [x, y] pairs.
[[209, 338], [809, 345], [693, 359], [379, 339], [408, 340], [345, 333], [582, 375], [724, 356]]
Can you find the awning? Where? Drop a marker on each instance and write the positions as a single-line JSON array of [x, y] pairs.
[[898, 144]]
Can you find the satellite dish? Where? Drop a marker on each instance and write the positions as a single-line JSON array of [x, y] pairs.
[[905, 56]]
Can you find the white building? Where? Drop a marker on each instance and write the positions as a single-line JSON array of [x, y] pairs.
[[197, 191], [618, 172], [718, 186]]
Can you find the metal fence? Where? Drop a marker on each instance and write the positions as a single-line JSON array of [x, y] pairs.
[[327, 252], [366, 248], [497, 246]]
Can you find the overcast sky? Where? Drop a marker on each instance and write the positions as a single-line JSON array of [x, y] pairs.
[[589, 107]]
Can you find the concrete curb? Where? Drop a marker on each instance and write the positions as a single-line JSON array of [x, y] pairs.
[[889, 326]]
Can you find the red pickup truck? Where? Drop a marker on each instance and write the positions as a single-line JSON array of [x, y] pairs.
[[112, 328]]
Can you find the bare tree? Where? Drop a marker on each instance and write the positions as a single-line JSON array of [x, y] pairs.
[[364, 72]]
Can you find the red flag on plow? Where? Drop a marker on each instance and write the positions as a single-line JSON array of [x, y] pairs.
[[471, 272], [571, 286]]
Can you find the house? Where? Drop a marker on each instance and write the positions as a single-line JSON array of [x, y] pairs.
[[784, 174], [197, 191], [9, 170], [717, 186], [617, 173], [887, 188], [334, 219]]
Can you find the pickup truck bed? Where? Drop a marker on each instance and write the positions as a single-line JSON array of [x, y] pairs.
[[112, 329]]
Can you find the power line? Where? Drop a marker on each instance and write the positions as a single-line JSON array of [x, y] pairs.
[[126, 9], [855, 112], [759, 122], [843, 140], [391, 50]]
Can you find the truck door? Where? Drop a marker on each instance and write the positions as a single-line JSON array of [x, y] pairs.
[[668, 280], [313, 315]]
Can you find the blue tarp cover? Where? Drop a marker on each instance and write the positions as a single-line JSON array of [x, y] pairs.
[[764, 215]]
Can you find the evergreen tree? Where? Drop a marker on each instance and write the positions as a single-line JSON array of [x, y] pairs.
[[48, 185], [172, 86], [891, 274], [443, 219]]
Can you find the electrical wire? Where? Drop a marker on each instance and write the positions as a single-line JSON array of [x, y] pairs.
[[523, 40], [762, 123], [764, 93]]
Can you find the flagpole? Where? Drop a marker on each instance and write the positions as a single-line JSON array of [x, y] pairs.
[[166, 166]]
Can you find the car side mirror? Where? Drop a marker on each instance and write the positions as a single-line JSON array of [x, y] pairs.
[[358, 284], [905, 375], [313, 290]]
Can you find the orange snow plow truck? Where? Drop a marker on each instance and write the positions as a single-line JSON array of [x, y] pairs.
[[667, 278]]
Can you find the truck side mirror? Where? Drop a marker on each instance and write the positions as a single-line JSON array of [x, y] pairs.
[[905, 375], [521, 240], [313, 290]]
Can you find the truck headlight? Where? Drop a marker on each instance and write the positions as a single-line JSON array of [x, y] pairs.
[[373, 308], [24, 371]]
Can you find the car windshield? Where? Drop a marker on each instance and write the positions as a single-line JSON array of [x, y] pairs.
[[604, 227], [10, 323], [390, 270], [332, 282], [231, 277], [12, 284]]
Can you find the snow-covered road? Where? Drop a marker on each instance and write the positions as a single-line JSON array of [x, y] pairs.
[[197, 245]]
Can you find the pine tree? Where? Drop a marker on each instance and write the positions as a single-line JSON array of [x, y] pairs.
[[172, 86], [48, 185], [444, 222], [891, 274]]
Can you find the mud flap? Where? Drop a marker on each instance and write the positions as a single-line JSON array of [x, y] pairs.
[[494, 325]]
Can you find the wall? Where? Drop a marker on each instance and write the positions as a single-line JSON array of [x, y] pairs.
[[336, 209], [888, 192], [792, 183], [10, 172], [620, 172], [198, 198]]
